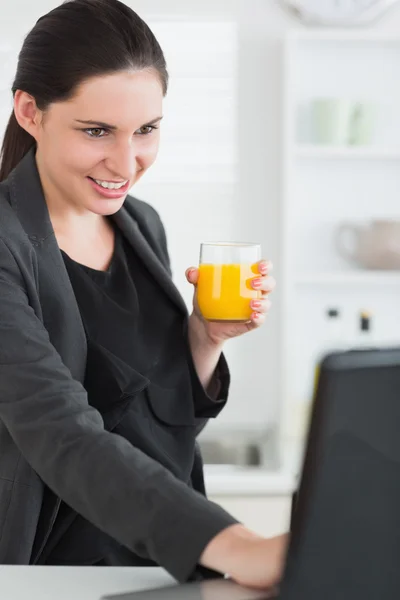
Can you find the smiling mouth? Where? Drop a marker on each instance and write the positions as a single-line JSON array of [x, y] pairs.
[[106, 191], [110, 185]]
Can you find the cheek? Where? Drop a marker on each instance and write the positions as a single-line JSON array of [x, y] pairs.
[[149, 154], [83, 158]]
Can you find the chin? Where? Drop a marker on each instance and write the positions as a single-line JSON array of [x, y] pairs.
[[110, 207]]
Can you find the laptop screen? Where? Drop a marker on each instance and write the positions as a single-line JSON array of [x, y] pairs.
[[346, 531]]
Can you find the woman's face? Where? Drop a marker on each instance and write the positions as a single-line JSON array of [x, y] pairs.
[[92, 148]]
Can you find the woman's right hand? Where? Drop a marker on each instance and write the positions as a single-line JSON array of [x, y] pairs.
[[249, 559]]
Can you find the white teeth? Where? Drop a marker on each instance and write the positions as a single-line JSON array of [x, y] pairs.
[[109, 185]]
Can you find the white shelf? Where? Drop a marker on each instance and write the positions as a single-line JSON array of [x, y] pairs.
[[342, 34], [370, 278], [356, 183], [346, 152]]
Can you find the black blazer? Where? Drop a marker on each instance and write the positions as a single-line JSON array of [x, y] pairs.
[[50, 437]]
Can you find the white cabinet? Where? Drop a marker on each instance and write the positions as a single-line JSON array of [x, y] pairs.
[[266, 515], [325, 184], [259, 499]]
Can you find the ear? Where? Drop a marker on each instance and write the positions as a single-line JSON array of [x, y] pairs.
[[27, 114]]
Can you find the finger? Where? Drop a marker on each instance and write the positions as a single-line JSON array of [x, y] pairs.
[[265, 266], [257, 319], [261, 305], [264, 284], [192, 275]]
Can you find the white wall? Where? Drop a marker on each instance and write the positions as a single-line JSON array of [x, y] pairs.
[[254, 203]]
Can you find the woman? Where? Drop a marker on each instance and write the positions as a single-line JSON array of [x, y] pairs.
[[104, 378]]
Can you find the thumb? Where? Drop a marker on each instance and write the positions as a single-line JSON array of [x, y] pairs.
[[192, 275]]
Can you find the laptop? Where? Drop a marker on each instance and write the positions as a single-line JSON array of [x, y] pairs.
[[345, 529]]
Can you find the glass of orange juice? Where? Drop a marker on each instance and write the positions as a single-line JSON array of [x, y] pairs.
[[224, 288]]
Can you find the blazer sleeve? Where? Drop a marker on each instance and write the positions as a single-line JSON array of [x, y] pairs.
[[208, 403], [46, 411]]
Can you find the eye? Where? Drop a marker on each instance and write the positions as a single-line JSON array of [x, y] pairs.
[[96, 132], [146, 129]]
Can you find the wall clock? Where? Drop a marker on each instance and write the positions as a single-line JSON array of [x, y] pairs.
[[338, 13]]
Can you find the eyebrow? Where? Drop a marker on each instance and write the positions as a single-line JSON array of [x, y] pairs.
[[92, 123]]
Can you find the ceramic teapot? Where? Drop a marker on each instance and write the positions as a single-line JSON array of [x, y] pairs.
[[372, 246]]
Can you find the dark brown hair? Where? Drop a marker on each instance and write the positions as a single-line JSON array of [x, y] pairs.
[[77, 40]]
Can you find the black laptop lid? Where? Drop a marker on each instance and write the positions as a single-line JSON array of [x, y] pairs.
[[346, 531]]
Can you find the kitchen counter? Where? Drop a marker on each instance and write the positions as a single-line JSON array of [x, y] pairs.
[[233, 480], [77, 583], [230, 480], [259, 498]]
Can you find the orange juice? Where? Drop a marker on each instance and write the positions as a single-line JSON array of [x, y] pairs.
[[224, 291]]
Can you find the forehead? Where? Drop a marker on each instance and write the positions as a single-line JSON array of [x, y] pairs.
[[119, 98]]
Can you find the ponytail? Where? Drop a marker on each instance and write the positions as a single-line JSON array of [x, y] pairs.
[[16, 143]]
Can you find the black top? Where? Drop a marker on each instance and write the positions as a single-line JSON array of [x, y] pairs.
[[134, 332]]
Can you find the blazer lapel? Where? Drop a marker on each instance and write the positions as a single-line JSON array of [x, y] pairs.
[[61, 314], [130, 228]]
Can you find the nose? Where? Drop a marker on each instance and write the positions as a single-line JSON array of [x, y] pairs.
[[122, 160]]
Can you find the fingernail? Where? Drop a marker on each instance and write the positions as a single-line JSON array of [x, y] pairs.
[[256, 282], [256, 304]]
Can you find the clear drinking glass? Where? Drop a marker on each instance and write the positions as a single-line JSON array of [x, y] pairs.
[[224, 288]]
